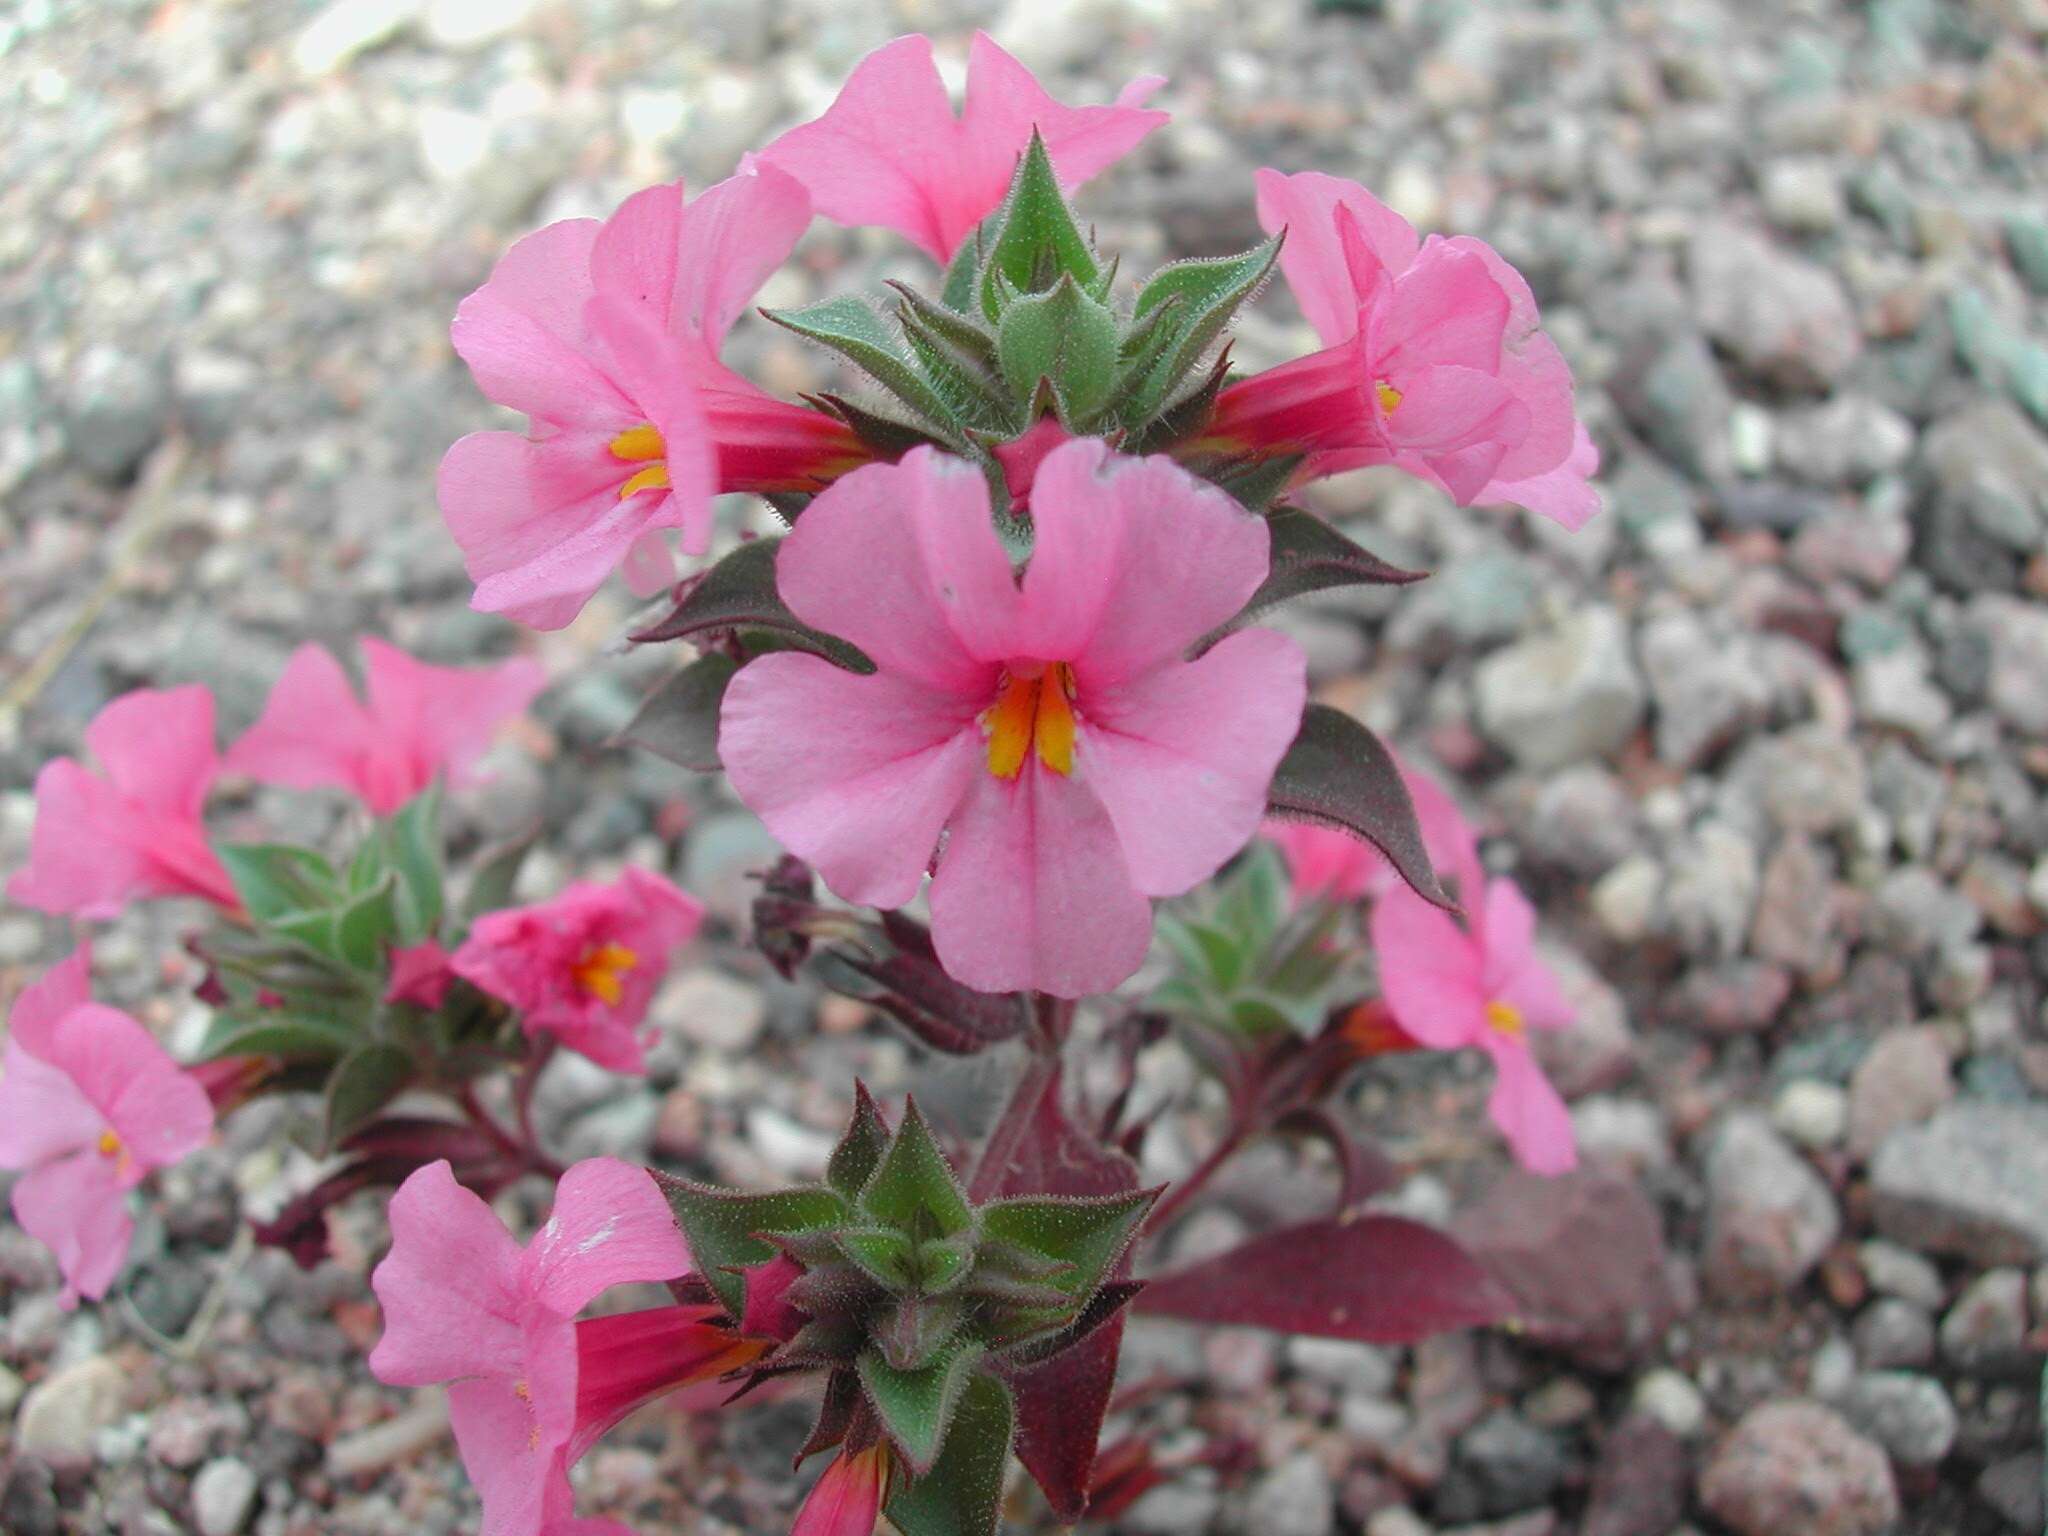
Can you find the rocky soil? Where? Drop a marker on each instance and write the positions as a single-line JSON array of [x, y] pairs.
[[1768, 742]]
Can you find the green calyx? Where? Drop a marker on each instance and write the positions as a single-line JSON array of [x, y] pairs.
[[913, 1299], [1026, 325]]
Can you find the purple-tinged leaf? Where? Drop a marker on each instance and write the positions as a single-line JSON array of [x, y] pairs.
[[1338, 774], [1363, 1170], [738, 593], [1380, 1280]]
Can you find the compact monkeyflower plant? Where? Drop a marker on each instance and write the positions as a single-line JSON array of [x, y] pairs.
[[999, 689]]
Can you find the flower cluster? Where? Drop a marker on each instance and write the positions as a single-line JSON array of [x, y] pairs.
[[360, 980], [999, 686]]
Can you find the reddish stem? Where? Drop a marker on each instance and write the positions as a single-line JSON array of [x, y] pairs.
[[1177, 1198]]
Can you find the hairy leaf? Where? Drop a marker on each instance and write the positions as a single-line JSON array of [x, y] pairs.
[[1339, 774], [1088, 1232], [364, 1081], [722, 1227], [1036, 240], [917, 1407], [962, 1495], [913, 1188], [859, 1151], [276, 880], [1207, 293], [679, 720], [1065, 337], [847, 325], [739, 593]]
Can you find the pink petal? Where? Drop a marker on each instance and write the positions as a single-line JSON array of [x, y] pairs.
[[1430, 972], [1322, 861], [312, 732], [734, 237], [44, 1114], [1182, 756], [878, 155], [935, 601], [1448, 838], [1032, 892], [1458, 422], [847, 1499], [1132, 561], [889, 151], [419, 974], [1515, 974], [525, 337], [1533, 368], [1528, 1109], [610, 1226], [541, 524], [629, 1359], [1563, 495], [649, 567], [1446, 309], [856, 774], [636, 254], [77, 1209], [664, 916], [450, 1287], [519, 1472], [159, 1112], [32, 1020], [82, 856], [155, 747], [655, 367], [1313, 258], [440, 720]]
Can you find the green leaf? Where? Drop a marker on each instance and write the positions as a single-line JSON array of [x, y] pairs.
[[1037, 239], [847, 326], [882, 1253], [913, 1188], [294, 1038], [913, 1331], [720, 1226], [1337, 773], [958, 289], [679, 720], [275, 880], [959, 329], [1257, 897], [1066, 337], [1218, 955], [367, 924], [916, 1407], [739, 593], [962, 1495], [1088, 1232], [415, 835], [860, 1149], [368, 1078], [491, 886], [943, 1262], [968, 384], [1208, 293]]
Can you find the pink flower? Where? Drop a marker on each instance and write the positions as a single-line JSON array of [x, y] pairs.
[[1481, 986], [420, 974], [132, 829], [1053, 730], [847, 1500], [90, 1105], [464, 1303], [418, 723], [1436, 361], [889, 151], [585, 964], [607, 337], [1322, 861]]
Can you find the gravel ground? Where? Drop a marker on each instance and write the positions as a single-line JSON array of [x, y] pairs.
[[1768, 743]]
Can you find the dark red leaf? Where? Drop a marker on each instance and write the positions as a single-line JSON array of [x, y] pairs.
[[1338, 774], [1381, 1279]]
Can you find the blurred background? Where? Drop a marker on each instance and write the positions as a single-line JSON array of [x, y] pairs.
[[1768, 742]]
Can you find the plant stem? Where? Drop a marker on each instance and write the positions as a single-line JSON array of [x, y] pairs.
[[1176, 1198], [1041, 1070], [523, 1089]]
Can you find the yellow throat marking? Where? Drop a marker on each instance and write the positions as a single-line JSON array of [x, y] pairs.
[[640, 445], [1032, 712], [601, 972], [1390, 397], [1506, 1018]]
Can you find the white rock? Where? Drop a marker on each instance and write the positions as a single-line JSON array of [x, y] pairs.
[[63, 1413], [468, 23], [1671, 1399], [1812, 1113], [348, 28], [223, 1495]]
